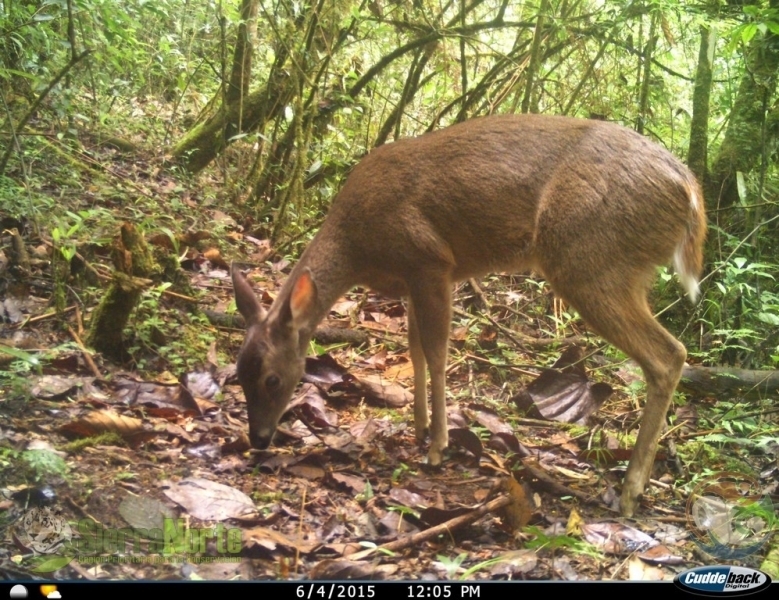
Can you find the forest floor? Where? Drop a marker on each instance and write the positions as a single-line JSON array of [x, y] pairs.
[[139, 468]]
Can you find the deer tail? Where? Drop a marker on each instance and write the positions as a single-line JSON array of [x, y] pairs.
[[688, 257]]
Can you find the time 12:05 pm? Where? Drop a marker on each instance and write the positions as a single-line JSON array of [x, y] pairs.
[[435, 590]]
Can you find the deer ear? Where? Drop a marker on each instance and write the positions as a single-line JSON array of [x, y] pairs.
[[302, 300], [247, 303]]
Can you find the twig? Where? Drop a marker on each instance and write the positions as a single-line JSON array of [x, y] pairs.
[[149, 282], [85, 352], [79, 322], [506, 331], [47, 315], [517, 368], [524, 341], [480, 293], [558, 488], [433, 532]]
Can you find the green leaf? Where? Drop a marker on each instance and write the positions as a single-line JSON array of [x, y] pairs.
[[17, 73], [21, 355], [748, 32], [769, 318], [54, 563]]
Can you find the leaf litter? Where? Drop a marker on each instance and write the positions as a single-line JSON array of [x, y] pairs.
[[344, 492]]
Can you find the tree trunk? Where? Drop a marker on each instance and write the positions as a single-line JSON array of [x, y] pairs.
[[740, 151], [649, 49], [244, 52], [205, 141], [535, 58], [699, 127]]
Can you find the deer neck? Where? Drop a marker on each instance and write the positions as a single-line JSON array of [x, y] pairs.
[[333, 276]]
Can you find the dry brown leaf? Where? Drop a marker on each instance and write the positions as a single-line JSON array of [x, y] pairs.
[[638, 570], [380, 390], [209, 501], [104, 421], [309, 472], [403, 370], [270, 539], [574, 525], [215, 257]]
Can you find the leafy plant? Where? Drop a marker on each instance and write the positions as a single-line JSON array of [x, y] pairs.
[[543, 541], [44, 463], [452, 565], [37, 465]]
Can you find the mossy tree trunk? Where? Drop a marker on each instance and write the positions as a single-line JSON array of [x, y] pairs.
[[699, 126], [743, 144], [134, 264]]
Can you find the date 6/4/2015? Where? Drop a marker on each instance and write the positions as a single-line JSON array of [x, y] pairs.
[[335, 591]]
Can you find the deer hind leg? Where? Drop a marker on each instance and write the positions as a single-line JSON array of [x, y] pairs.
[[621, 315], [421, 418], [431, 302]]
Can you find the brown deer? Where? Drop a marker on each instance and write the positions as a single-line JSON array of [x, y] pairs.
[[592, 206]]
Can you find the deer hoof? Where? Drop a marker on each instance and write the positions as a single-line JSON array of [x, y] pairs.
[[628, 503], [436, 456]]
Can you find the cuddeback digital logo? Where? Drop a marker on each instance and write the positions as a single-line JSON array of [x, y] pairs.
[[722, 580]]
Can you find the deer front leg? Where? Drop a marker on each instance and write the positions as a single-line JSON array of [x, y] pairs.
[[421, 419], [431, 301]]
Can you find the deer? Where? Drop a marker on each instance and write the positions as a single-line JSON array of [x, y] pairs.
[[593, 207]]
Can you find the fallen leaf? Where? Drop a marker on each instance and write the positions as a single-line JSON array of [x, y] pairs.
[[638, 570], [515, 562], [563, 397], [407, 498], [345, 481], [271, 539], [661, 555], [209, 501], [465, 438], [309, 472], [330, 569], [615, 538], [142, 512], [382, 392], [51, 387], [104, 421]]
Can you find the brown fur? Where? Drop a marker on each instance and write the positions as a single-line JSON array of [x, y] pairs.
[[592, 206]]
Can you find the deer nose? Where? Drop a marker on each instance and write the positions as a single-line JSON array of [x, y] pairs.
[[260, 440]]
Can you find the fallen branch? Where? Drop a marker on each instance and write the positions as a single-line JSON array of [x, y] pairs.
[[719, 381], [433, 532]]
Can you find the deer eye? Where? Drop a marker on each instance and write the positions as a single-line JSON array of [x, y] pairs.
[[272, 382]]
